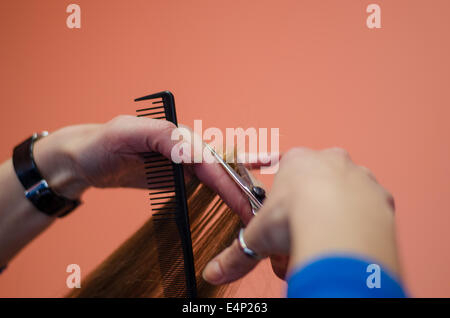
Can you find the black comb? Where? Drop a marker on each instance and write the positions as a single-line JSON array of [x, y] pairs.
[[165, 181]]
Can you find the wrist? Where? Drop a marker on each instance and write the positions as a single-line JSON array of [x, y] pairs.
[[56, 164]]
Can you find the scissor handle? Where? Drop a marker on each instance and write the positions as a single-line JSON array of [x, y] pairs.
[[259, 193]]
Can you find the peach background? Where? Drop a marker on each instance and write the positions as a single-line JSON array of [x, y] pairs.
[[311, 68]]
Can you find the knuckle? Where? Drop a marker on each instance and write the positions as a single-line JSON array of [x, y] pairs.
[[338, 151], [120, 120], [276, 215], [163, 124], [157, 142], [367, 172], [390, 199], [115, 127], [293, 154], [337, 154]]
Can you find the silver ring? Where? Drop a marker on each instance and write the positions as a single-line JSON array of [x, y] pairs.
[[247, 251]]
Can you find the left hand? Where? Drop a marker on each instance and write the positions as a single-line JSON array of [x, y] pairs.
[[75, 158]]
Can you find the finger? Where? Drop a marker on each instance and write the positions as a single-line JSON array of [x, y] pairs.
[[279, 265], [232, 263], [340, 153], [132, 135], [368, 172], [228, 266], [212, 174], [260, 160]]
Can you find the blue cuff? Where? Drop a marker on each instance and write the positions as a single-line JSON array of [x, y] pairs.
[[343, 276]]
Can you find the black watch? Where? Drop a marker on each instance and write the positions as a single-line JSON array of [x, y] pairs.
[[37, 189]]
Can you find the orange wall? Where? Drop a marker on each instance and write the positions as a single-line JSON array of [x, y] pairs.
[[311, 68]]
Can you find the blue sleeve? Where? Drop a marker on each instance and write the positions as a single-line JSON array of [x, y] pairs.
[[343, 276]]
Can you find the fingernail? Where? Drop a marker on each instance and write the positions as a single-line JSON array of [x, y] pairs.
[[213, 273]]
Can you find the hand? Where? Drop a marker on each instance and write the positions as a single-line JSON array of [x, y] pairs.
[[75, 158], [321, 202]]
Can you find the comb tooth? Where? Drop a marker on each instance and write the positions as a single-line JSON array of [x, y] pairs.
[[161, 198], [164, 207], [152, 155], [160, 183], [151, 114], [170, 203], [161, 178], [161, 187], [172, 207], [154, 200], [149, 108], [170, 216], [158, 168], [153, 181], [168, 209], [157, 218], [151, 162], [162, 219], [154, 161], [156, 96], [158, 160], [159, 171], [159, 164], [154, 113], [160, 192]]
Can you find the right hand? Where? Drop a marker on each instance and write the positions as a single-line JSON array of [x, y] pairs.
[[321, 202]]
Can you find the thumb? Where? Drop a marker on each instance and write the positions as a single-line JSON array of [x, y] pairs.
[[266, 234]]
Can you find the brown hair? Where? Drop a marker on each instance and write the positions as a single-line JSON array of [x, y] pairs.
[[133, 269]]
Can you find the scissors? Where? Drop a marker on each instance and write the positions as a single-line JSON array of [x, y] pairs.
[[255, 194]]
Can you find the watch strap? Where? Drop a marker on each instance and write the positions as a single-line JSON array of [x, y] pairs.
[[36, 187]]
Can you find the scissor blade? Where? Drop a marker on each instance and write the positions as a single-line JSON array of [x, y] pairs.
[[225, 165], [235, 176], [244, 173]]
